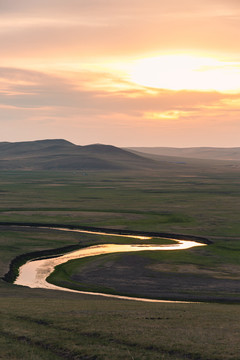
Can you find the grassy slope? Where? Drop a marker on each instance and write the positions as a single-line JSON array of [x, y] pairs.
[[38, 324]]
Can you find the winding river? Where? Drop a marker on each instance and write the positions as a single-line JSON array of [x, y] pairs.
[[35, 272]]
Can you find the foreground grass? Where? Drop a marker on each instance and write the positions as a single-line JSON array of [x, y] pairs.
[[38, 324]]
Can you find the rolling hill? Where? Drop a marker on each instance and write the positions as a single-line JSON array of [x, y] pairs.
[[60, 154]]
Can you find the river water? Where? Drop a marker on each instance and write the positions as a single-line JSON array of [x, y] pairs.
[[34, 273]]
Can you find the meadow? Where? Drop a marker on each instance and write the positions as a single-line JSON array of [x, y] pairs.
[[202, 200]]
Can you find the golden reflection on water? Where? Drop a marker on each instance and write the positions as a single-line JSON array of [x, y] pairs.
[[34, 273]]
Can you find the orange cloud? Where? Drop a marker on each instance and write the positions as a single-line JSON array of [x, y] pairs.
[[58, 107], [62, 69]]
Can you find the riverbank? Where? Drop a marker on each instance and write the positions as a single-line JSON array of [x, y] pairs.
[[37, 273], [139, 275], [19, 260], [48, 262], [107, 230]]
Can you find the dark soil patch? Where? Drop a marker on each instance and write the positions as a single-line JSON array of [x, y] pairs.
[[130, 274]]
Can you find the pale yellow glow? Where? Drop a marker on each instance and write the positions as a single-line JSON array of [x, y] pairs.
[[166, 115], [180, 72]]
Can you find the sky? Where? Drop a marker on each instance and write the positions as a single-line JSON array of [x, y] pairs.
[[126, 73]]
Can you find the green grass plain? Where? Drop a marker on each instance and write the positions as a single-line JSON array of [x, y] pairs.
[[42, 324]]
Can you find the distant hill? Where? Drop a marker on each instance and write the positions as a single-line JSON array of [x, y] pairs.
[[193, 152], [60, 154]]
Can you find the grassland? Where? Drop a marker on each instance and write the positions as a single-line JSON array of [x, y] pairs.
[[41, 324]]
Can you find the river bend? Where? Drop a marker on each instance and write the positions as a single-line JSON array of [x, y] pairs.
[[35, 272]]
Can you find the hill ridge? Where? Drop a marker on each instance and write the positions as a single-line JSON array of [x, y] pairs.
[[60, 154]]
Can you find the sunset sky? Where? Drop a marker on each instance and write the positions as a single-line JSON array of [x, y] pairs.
[[121, 72]]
